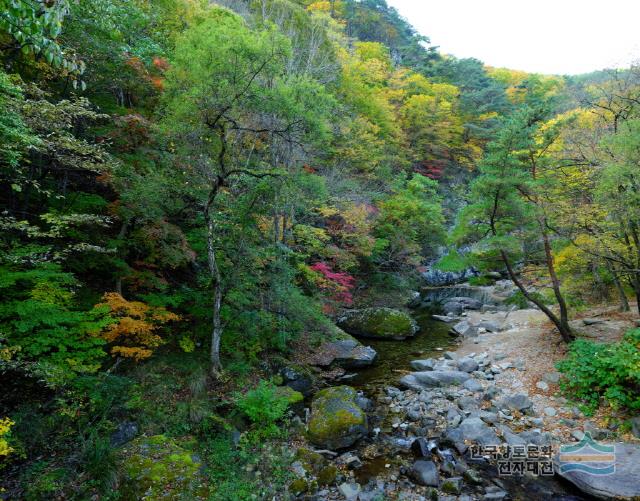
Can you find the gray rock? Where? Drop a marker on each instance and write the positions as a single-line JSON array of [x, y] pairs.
[[494, 494], [422, 448], [510, 437], [350, 491], [350, 354], [488, 417], [424, 365], [476, 430], [622, 484], [125, 433], [429, 379], [468, 403], [472, 385], [450, 355], [465, 328], [550, 411], [452, 308], [297, 381], [552, 377], [444, 318], [467, 364], [425, 473], [325, 430], [541, 385], [490, 326], [519, 402]]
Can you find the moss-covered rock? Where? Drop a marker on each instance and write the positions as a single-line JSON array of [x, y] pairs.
[[381, 323], [157, 467], [336, 419]]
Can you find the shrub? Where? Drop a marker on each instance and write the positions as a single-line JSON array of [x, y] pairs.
[[264, 405], [598, 371]]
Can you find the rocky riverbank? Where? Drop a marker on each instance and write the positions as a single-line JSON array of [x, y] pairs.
[[498, 387]]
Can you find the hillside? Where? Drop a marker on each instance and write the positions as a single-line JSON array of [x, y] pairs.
[[202, 202]]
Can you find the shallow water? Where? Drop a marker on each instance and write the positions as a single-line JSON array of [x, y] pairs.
[[394, 357]]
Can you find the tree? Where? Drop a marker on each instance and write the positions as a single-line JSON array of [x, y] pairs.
[[228, 98], [510, 215]]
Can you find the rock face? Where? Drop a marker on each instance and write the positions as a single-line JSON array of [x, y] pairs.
[[337, 421], [158, 468], [380, 323], [623, 484], [430, 379]]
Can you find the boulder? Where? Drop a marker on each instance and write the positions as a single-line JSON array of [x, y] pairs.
[[468, 364], [517, 402], [297, 381], [472, 385], [429, 379], [350, 354], [490, 326], [336, 421], [474, 429], [452, 308], [424, 365], [158, 467], [623, 483], [425, 473], [465, 328], [125, 433], [379, 323]]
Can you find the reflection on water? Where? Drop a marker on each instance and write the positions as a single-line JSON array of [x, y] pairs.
[[395, 356]]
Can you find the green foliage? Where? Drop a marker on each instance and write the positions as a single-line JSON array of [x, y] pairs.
[[597, 372], [264, 405], [452, 261], [39, 317]]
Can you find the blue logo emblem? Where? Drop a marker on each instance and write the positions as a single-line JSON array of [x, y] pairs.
[[588, 456]]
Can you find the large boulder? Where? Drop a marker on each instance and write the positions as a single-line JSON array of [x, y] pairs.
[[350, 354], [337, 421], [623, 483], [159, 468], [379, 323], [297, 380], [430, 379]]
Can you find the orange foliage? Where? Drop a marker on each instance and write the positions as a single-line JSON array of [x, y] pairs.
[[134, 335]]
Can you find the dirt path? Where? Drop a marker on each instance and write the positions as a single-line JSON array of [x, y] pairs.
[[529, 349]]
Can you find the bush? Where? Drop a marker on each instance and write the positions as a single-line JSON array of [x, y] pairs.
[[264, 405], [596, 371]]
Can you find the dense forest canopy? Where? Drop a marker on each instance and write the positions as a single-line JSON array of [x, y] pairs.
[[190, 191]]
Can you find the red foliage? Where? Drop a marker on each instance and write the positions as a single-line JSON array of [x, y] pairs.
[[340, 284], [432, 170]]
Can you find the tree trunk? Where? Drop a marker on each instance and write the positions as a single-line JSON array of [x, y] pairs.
[[565, 332], [216, 278], [624, 302]]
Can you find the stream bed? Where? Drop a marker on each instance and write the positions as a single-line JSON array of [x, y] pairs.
[[394, 358]]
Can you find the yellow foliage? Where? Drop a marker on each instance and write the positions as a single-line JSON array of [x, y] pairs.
[[134, 332], [5, 427]]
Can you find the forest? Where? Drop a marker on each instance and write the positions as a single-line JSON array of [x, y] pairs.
[[215, 214]]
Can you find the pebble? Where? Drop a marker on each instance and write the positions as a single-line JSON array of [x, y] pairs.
[[550, 411]]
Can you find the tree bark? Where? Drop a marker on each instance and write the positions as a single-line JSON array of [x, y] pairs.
[[624, 302], [214, 272], [567, 335], [565, 331]]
